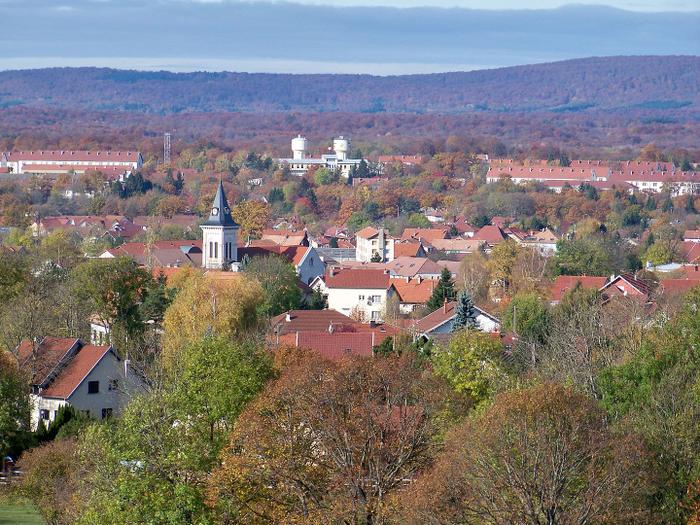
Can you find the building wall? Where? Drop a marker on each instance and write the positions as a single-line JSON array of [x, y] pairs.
[[214, 240], [109, 368], [345, 300], [381, 244], [311, 266], [39, 403], [486, 324]]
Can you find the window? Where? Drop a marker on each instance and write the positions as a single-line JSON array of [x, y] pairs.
[[216, 250], [211, 249], [93, 387], [376, 298], [106, 412], [113, 385], [375, 315], [44, 414], [360, 297]]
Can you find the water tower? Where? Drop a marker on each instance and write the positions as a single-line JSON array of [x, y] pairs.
[[341, 146], [299, 147]]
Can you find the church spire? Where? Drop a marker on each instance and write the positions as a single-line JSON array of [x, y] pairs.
[[220, 213]]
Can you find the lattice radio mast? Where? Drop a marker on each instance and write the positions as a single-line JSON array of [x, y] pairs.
[[166, 149]]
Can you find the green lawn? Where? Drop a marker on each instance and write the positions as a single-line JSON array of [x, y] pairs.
[[19, 514]]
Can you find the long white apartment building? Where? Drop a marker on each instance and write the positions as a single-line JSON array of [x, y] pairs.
[[300, 162], [643, 176], [64, 161]]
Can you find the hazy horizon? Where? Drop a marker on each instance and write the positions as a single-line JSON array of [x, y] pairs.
[[220, 35]]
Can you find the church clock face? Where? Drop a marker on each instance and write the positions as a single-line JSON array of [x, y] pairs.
[[215, 211]]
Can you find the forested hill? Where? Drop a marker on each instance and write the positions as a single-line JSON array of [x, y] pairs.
[[654, 82]]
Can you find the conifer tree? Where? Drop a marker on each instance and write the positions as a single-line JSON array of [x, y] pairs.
[[445, 289], [465, 312]]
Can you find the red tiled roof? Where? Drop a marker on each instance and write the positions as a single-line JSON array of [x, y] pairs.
[[408, 249], [491, 234], [691, 271], [335, 346], [458, 245], [367, 232], [284, 237], [548, 172], [425, 234], [415, 291], [73, 156], [70, 377], [48, 355], [690, 251], [677, 286], [413, 266], [49, 168], [309, 321], [357, 278], [691, 234], [436, 318], [627, 284], [565, 283]]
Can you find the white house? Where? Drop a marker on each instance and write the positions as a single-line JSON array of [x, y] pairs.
[[65, 371], [358, 293], [308, 264], [371, 242], [441, 320]]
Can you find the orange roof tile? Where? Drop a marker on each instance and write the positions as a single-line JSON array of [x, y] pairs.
[[565, 283], [49, 353], [76, 371], [414, 291], [357, 278]]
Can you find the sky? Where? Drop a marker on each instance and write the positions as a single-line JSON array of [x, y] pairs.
[[231, 35], [632, 5]]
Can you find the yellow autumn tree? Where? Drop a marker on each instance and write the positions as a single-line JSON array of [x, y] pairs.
[[252, 216], [223, 304]]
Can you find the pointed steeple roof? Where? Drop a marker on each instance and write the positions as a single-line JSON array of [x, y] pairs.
[[220, 213]]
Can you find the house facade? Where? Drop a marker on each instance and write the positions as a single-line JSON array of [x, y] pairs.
[[358, 293], [441, 321], [373, 243], [92, 379]]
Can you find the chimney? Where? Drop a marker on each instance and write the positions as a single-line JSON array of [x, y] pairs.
[[127, 362], [288, 317], [296, 339], [444, 305], [330, 328]]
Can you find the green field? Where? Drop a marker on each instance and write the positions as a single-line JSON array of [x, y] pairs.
[[19, 514]]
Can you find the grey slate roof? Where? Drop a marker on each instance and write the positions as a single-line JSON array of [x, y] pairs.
[[223, 218]]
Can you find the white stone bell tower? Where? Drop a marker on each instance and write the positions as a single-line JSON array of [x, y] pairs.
[[220, 235]]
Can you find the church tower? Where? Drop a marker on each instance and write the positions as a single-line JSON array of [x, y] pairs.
[[220, 234]]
